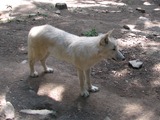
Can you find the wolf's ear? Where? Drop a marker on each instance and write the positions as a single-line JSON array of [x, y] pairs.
[[105, 39]]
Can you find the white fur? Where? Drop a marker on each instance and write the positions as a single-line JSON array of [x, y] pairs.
[[83, 52]]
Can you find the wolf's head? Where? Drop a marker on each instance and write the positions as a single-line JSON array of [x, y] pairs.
[[109, 48]]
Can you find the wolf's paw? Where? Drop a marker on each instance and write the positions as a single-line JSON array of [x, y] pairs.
[[93, 89], [48, 70], [34, 74], [84, 93]]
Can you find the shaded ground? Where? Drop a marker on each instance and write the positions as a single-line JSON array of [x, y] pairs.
[[125, 93]]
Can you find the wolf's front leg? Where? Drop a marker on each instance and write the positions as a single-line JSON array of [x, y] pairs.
[[84, 91], [91, 88]]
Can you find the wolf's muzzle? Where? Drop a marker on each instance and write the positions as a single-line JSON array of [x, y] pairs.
[[119, 56]]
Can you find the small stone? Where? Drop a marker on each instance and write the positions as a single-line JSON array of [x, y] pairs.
[[155, 34], [126, 81], [105, 11], [9, 111], [107, 118], [58, 12], [38, 112], [140, 10], [144, 19], [136, 64], [157, 9], [126, 27], [38, 18], [61, 6], [150, 36], [158, 36], [131, 34], [20, 20], [24, 62], [31, 15], [23, 49], [130, 9], [146, 3]]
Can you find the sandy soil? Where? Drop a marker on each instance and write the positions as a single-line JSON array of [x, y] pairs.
[[125, 93]]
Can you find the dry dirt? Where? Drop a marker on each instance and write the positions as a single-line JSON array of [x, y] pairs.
[[125, 93]]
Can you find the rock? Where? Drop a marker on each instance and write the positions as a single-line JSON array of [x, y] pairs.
[[126, 27], [32, 15], [140, 10], [8, 111], [154, 34], [23, 50], [24, 62], [38, 18], [104, 11], [107, 118], [146, 3], [20, 20], [38, 112], [158, 36], [131, 34], [58, 12], [130, 9], [143, 18], [157, 9], [150, 36], [142, 21], [136, 64], [61, 6]]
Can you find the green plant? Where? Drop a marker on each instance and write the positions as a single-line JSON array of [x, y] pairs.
[[92, 32]]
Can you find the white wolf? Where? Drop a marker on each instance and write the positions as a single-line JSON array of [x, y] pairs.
[[82, 52]]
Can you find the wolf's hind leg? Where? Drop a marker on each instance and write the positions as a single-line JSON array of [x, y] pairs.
[[43, 62], [33, 73]]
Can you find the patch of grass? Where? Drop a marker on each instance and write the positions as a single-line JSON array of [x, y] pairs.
[[90, 33]]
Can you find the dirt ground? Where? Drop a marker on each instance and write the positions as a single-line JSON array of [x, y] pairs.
[[125, 93]]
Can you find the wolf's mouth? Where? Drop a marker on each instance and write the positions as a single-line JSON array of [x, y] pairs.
[[118, 59]]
